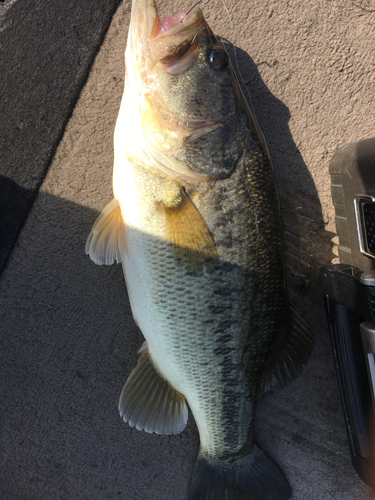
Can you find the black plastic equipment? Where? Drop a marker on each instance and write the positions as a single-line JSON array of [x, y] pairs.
[[352, 170], [349, 297]]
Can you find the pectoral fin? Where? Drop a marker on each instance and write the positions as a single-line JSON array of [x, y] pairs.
[[106, 241], [189, 235], [149, 402]]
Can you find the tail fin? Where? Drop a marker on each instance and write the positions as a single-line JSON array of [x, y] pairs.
[[252, 477]]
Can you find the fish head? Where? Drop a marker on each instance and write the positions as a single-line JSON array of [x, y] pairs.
[[181, 103]]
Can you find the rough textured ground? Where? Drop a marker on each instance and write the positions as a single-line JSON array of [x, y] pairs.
[[68, 340]]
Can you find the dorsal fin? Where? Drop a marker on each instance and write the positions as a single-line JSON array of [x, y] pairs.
[[189, 235], [149, 402], [297, 229], [290, 352], [294, 342], [106, 241]]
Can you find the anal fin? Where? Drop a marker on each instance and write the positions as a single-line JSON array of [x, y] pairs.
[[106, 241], [149, 402], [189, 235]]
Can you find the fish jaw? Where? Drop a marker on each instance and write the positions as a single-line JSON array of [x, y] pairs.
[[129, 138], [144, 21]]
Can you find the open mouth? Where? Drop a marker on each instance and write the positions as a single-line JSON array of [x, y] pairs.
[[171, 22], [179, 23], [175, 36], [157, 40]]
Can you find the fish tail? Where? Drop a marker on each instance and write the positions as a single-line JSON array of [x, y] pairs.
[[250, 477]]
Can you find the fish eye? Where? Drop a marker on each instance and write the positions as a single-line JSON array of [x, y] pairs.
[[218, 58]]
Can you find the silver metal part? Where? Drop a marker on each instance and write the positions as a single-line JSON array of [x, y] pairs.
[[359, 201], [368, 278], [368, 340]]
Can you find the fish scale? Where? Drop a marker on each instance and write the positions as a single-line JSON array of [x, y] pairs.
[[180, 306], [196, 223]]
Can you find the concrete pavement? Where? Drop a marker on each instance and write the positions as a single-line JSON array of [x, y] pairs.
[[67, 338]]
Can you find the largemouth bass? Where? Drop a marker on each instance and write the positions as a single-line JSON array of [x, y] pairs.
[[196, 224]]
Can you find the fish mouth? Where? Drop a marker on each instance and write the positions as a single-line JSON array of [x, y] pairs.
[[179, 23], [161, 41]]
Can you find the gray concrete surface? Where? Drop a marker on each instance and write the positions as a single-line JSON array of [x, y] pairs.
[[67, 338], [46, 50]]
